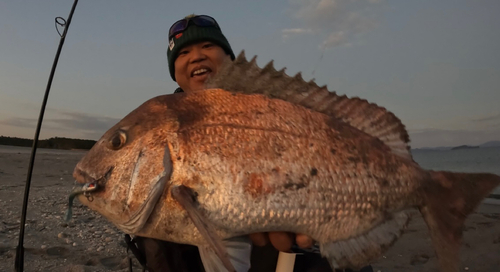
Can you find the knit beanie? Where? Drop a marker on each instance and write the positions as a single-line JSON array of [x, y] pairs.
[[194, 34]]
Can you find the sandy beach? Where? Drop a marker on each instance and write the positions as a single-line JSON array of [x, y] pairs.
[[89, 243]]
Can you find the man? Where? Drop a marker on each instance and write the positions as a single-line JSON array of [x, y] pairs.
[[197, 48]]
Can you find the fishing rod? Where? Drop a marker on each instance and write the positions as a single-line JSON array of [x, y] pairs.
[[19, 262]]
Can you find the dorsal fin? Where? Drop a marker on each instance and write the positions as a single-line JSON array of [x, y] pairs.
[[245, 76]]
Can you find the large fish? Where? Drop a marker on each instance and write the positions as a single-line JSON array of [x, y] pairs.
[[260, 151]]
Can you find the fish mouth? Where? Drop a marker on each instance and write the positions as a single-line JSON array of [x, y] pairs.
[[85, 178], [89, 186]]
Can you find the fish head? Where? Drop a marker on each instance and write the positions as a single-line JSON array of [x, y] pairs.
[[129, 166]]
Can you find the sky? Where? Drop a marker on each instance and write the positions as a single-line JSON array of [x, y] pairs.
[[434, 64]]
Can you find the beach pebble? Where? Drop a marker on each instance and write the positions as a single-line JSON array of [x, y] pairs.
[[75, 244], [419, 259], [466, 268], [43, 247], [68, 241], [100, 248], [75, 268], [110, 231], [62, 235], [108, 239]]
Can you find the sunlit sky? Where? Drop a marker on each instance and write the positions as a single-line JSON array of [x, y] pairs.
[[435, 64]]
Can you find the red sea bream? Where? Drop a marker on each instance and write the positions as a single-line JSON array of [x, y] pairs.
[[259, 151]]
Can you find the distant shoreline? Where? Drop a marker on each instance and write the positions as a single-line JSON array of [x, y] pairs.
[[464, 147], [51, 143], [483, 145]]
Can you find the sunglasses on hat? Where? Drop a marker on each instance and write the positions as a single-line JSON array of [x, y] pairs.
[[199, 20]]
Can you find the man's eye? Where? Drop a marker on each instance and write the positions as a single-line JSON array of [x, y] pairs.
[[183, 52], [207, 45]]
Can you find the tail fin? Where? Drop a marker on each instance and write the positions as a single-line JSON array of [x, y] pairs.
[[451, 198]]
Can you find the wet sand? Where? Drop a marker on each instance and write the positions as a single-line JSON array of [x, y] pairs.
[[89, 243]]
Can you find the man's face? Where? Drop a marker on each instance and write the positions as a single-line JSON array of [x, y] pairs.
[[196, 62]]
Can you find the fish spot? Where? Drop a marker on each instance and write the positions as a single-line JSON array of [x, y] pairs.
[[314, 172], [333, 151], [178, 158], [257, 186], [383, 182], [295, 185], [353, 159]]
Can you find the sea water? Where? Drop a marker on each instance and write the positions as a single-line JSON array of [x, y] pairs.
[[479, 160]]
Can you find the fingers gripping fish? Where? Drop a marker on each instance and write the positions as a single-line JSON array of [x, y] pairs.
[[261, 151]]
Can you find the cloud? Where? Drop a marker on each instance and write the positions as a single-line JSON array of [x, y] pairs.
[[67, 123], [335, 21], [493, 117], [335, 39], [295, 31], [19, 122]]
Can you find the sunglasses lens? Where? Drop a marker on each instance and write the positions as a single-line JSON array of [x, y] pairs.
[[177, 27], [204, 21], [201, 20]]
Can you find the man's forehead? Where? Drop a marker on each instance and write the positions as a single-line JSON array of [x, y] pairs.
[[197, 43]]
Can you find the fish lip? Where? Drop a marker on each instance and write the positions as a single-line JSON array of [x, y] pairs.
[[87, 178], [209, 70]]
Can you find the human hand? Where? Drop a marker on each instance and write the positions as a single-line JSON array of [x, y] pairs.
[[282, 241]]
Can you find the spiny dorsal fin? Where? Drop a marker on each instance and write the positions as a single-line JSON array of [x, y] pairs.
[[245, 76]]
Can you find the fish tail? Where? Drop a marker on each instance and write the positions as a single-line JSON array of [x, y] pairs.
[[450, 199]]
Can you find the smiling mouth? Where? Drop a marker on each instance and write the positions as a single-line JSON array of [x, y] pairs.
[[200, 72]]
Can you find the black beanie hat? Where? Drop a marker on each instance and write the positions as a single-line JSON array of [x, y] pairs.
[[194, 34]]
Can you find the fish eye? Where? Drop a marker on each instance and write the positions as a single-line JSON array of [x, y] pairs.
[[118, 140]]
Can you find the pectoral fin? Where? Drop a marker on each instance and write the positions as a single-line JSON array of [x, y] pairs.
[[239, 250], [187, 198]]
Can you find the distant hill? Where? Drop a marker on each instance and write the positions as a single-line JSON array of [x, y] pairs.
[[464, 147], [55, 143], [490, 144], [487, 144]]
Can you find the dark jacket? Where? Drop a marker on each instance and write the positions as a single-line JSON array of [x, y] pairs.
[[162, 256]]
